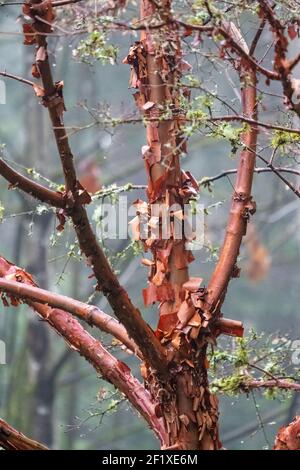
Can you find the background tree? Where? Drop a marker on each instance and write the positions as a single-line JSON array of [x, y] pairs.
[[174, 103]]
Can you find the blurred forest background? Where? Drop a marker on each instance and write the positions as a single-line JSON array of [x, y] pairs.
[[46, 390]]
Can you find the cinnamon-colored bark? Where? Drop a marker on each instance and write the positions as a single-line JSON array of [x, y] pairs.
[[108, 283], [189, 410], [78, 339], [176, 401], [89, 313], [288, 437], [242, 206], [11, 439], [282, 65]]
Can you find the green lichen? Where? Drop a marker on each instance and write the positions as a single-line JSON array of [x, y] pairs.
[[95, 48]]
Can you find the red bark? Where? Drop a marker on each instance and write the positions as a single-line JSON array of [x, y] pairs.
[[242, 206], [108, 283], [175, 363], [89, 313], [190, 411], [11, 439], [36, 190], [78, 339], [288, 437]]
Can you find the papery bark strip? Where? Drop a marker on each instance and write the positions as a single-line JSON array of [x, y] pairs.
[[108, 283]]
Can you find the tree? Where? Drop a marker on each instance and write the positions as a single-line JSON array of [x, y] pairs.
[[175, 400]]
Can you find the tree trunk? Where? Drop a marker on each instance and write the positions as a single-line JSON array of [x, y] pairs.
[[189, 410]]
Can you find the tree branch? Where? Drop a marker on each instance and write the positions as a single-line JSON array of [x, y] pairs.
[[273, 383], [36, 190], [89, 313], [126, 312], [277, 172], [282, 65], [269, 169], [227, 34], [257, 37], [242, 205], [112, 370], [253, 122], [11, 439]]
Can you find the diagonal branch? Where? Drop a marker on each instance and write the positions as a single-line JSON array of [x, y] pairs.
[[274, 383], [242, 205], [122, 306], [257, 37], [226, 32], [36, 190], [282, 65], [11, 439], [89, 313], [111, 369]]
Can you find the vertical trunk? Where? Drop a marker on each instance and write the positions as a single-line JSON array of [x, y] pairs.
[[243, 205], [189, 410]]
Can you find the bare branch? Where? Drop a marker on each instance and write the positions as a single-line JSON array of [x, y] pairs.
[[274, 383], [36, 190], [257, 37], [282, 65], [278, 173], [89, 313], [242, 205], [80, 340], [273, 169], [245, 55], [17, 78], [11, 439], [122, 306]]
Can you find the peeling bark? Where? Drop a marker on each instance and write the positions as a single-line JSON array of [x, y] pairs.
[[112, 370], [288, 437], [189, 410], [51, 95], [89, 313]]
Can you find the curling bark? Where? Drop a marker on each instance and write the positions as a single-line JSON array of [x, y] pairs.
[[51, 95], [111, 369], [189, 410]]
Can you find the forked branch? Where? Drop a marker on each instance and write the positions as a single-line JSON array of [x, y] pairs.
[[126, 312], [111, 369]]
